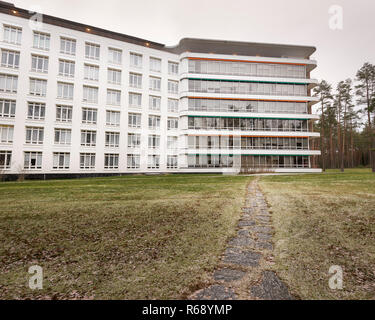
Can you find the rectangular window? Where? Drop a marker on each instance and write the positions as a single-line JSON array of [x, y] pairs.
[[155, 83], [172, 105], [39, 63], [154, 122], [38, 87], [171, 162], [41, 40], [111, 161], [92, 51], [172, 68], [172, 123], [135, 80], [10, 58], [134, 140], [66, 68], [171, 143], [36, 111], [34, 135], [133, 161], [12, 34], [88, 138], [61, 160], [89, 115], [153, 161], [134, 120], [64, 113], [87, 160], [8, 83], [135, 60], [114, 56], [91, 72], [68, 46], [153, 141], [65, 90], [112, 118], [173, 87], [32, 160], [112, 139], [113, 97], [7, 108], [90, 94], [5, 159], [155, 64], [114, 76], [63, 136], [154, 103], [135, 100], [6, 134]]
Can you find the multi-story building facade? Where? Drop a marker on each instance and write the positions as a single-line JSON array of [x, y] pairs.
[[75, 99]]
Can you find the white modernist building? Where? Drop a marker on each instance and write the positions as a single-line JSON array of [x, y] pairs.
[[76, 99]]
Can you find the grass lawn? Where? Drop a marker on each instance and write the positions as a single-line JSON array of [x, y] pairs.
[[322, 220], [135, 237]]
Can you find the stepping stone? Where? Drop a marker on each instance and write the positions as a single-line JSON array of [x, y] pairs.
[[244, 223], [264, 245], [242, 257], [271, 288], [216, 292], [263, 236], [263, 229], [241, 241], [228, 275], [243, 233], [264, 219]]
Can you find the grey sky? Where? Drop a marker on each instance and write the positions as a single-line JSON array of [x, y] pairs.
[[339, 52]]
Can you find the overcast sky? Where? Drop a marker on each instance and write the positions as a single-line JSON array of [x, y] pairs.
[[304, 22]]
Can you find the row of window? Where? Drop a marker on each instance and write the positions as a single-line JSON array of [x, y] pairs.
[[68, 46]]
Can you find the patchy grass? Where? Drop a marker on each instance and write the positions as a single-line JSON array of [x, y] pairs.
[[322, 220], [144, 237]]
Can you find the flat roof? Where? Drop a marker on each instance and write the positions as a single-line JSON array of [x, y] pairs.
[[185, 45]]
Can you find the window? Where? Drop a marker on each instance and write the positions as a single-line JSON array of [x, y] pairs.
[[32, 160], [6, 134], [111, 161], [134, 120], [66, 68], [134, 140], [171, 162], [92, 51], [172, 105], [5, 159], [39, 63], [88, 138], [90, 94], [135, 80], [64, 113], [135, 60], [65, 90], [153, 141], [63, 136], [154, 122], [36, 111], [155, 64], [7, 108], [68, 46], [112, 118], [41, 40], [155, 83], [172, 123], [135, 99], [172, 68], [114, 56], [34, 135], [133, 161], [12, 34], [171, 143], [114, 76], [87, 161], [172, 87], [112, 139], [153, 161], [154, 103], [10, 59], [91, 72], [89, 115], [61, 160], [8, 83], [113, 97], [38, 87]]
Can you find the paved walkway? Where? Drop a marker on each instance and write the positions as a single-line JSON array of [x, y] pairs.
[[244, 270]]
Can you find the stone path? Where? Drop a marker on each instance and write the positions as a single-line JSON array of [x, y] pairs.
[[244, 270]]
